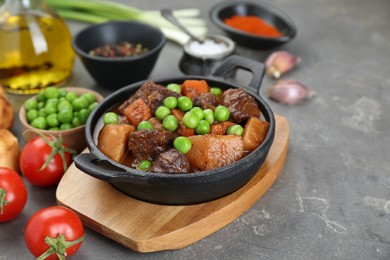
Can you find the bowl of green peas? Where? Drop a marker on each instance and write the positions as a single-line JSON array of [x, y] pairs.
[[59, 112]]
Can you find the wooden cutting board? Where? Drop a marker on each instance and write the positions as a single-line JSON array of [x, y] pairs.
[[147, 227]]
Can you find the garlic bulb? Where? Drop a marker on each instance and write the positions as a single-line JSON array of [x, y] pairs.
[[280, 62], [289, 92]]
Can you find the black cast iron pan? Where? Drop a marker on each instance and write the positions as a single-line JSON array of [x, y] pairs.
[[179, 189]]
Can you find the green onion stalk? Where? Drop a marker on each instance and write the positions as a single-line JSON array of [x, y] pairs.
[[99, 11]]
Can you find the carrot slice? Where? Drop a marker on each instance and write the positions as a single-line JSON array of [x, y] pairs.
[[193, 88], [177, 113], [185, 131], [137, 112]]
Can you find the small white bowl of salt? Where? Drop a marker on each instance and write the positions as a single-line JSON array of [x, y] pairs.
[[200, 58]]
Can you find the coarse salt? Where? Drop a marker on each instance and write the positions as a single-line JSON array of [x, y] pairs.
[[208, 47]]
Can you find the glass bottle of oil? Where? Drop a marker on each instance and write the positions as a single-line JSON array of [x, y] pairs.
[[35, 47]]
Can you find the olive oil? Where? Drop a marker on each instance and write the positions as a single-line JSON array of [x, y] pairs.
[[35, 51]]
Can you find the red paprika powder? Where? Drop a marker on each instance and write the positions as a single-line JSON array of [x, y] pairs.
[[252, 24]]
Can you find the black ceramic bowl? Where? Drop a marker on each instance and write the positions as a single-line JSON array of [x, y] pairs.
[[115, 73], [179, 189], [265, 11]]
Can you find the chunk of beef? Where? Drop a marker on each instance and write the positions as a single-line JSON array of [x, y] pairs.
[[205, 101], [171, 161], [156, 123], [123, 120], [241, 105], [148, 144], [152, 94]]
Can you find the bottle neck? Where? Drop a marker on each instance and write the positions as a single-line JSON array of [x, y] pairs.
[[27, 4], [38, 7]]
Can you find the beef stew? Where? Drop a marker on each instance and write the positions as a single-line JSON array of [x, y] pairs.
[[220, 126]]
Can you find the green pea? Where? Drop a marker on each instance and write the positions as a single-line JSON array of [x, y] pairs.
[[30, 104], [42, 112], [216, 91], [83, 115], [79, 103], [92, 106], [89, 97], [66, 126], [170, 102], [199, 112], [110, 118], [65, 116], [203, 127], [71, 96], [52, 120], [50, 108], [209, 115], [65, 104], [221, 113], [76, 121], [182, 144], [51, 92], [31, 115], [62, 92], [53, 100], [190, 120], [39, 122], [144, 165], [235, 130], [56, 128], [170, 123], [174, 87], [41, 96], [145, 125], [184, 103], [162, 112], [41, 104]]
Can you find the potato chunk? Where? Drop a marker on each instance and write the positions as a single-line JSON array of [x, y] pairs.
[[254, 134], [9, 150], [213, 151], [112, 140], [6, 113]]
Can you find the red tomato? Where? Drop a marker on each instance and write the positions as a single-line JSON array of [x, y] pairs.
[[13, 194], [54, 230], [33, 157]]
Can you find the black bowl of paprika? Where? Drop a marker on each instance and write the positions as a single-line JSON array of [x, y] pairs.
[[256, 25]]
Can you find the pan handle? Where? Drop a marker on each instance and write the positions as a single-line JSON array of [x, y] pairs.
[[234, 62], [104, 170]]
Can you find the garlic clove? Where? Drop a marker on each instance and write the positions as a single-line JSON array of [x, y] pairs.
[[280, 62], [289, 92]]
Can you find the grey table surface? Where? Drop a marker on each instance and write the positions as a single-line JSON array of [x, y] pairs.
[[332, 199]]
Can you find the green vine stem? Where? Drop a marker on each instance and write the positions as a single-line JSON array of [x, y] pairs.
[[56, 148], [3, 193], [58, 246]]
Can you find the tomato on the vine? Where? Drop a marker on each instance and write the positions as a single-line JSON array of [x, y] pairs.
[[13, 194], [54, 233], [44, 159]]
